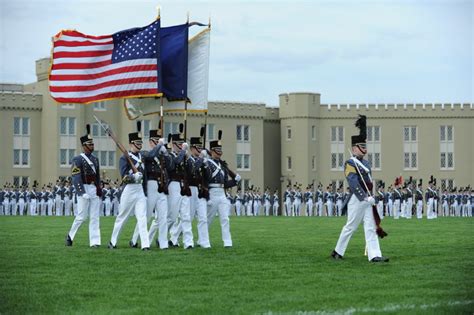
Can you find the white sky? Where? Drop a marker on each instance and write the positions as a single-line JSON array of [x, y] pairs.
[[349, 51]]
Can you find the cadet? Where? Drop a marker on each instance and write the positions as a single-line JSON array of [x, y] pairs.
[[217, 174], [86, 179], [275, 203], [419, 200], [357, 171], [429, 198], [396, 197]]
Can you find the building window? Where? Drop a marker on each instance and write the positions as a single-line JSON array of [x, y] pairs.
[[410, 148], [145, 128], [211, 132], [337, 148], [374, 147], [313, 133], [100, 106], [313, 163], [21, 157], [67, 126], [68, 106], [447, 184], [243, 133], [19, 181], [66, 156], [446, 148], [288, 163], [106, 158], [21, 126], [288, 133], [243, 162], [171, 127]]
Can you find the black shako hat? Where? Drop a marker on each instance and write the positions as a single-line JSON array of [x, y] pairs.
[[87, 139], [361, 123], [136, 136], [156, 134], [216, 144]]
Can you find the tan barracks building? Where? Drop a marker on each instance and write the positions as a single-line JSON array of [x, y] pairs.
[[300, 142]]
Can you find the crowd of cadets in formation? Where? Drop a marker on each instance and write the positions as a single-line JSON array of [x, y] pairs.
[[398, 201]]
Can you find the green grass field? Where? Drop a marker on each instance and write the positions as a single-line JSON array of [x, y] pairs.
[[277, 265]]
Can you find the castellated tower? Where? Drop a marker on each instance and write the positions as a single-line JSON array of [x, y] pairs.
[[299, 115]]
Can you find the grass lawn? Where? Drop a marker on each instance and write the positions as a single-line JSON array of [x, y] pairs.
[[277, 265]]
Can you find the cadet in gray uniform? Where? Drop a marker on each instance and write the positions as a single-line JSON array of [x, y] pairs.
[[86, 180]]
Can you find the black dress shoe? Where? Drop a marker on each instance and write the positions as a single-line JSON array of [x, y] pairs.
[[145, 249], [228, 246], [133, 245], [95, 246], [68, 240], [336, 256], [170, 244], [157, 243], [110, 246], [189, 247], [379, 259]]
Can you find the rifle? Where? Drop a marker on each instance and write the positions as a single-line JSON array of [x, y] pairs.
[[185, 190], [162, 188], [380, 232], [224, 163], [120, 146], [204, 185]]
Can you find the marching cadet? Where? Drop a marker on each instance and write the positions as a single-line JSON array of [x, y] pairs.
[[308, 200], [329, 201], [397, 197], [319, 200], [40, 200], [199, 193], [444, 203], [106, 194], [33, 199], [133, 198], [389, 202], [6, 200], [57, 197], [157, 201], [298, 198], [409, 204], [287, 198], [85, 174], [238, 203], [15, 196], [339, 199], [379, 198], [2, 198], [179, 194], [435, 200], [249, 201], [419, 200], [67, 198], [403, 201], [22, 200], [429, 199], [465, 198], [50, 199], [267, 198], [275, 203], [217, 174], [357, 171], [256, 202]]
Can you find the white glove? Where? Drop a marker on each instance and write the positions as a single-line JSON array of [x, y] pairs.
[[161, 141], [137, 176], [86, 196], [371, 200], [184, 146], [163, 149], [205, 160], [237, 178], [204, 154]]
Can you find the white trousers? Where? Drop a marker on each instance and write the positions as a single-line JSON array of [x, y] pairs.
[[445, 209], [50, 204], [158, 202], [396, 208], [33, 207], [218, 202], [319, 207], [429, 209], [408, 208], [67, 206], [21, 206], [108, 206], [297, 207], [238, 206], [329, 205], [309, 208], [116, 205], [390, 208], [358, 211], [87, 207], [380, 209], [339, 207], [133, 199], [419, 209], [13, 207], [6, 210], [199, 207], [43, 209], [179, 205], [267, 208], [275, 209], [256, 209], [288, 207], [58, 205]]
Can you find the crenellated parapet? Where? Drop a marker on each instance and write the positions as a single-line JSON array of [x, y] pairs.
[[15, 101]]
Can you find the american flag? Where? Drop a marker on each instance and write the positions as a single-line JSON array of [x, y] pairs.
[[88, 68]]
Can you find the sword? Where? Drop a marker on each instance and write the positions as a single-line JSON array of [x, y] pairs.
[[120, 146]]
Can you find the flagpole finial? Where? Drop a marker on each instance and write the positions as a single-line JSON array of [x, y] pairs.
[[209, 25], [158, 8]]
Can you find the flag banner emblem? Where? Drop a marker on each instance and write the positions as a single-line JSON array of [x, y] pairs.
[[88, 69]]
